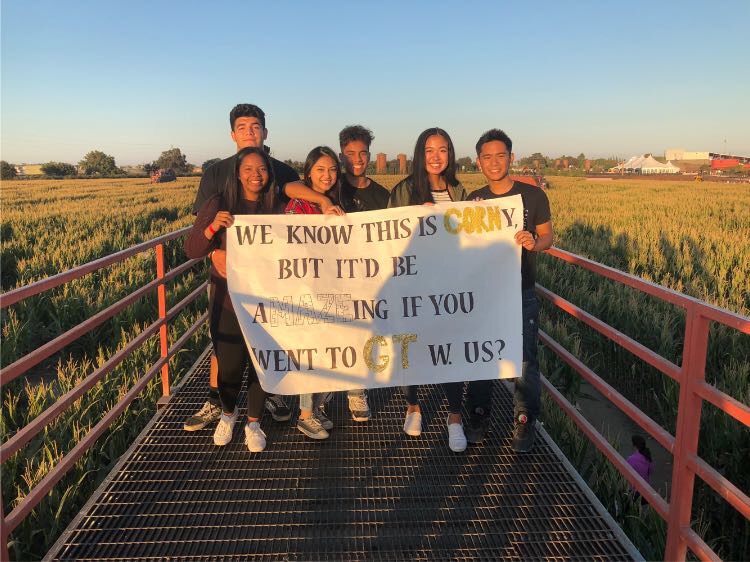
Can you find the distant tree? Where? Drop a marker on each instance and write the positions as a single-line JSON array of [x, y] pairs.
[[96, 163], [465, 164], [58, 169], [174, 159], [150, 168], [208, 163], [529, 160], [298, 166], [581, 160], [7, 171]]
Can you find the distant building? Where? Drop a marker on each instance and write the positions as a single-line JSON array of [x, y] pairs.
[[682, 154], [381, 163]]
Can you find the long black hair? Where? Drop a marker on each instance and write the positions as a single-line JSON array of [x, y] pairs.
[[335, 193], [640, 444], [420, 189], [232, 193]]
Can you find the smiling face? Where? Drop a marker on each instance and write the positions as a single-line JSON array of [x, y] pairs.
[[436, 154], [355, 157], [253, 176], [324, 174], [494, 160], [248, 131]]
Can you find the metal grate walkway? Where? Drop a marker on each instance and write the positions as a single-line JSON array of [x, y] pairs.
[[369, 492]]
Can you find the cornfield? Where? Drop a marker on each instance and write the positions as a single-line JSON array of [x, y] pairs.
[[694, 238], [49, 227]]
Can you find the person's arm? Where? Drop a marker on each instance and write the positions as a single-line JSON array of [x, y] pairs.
[[543, 241], [201, 240], [298, 190]]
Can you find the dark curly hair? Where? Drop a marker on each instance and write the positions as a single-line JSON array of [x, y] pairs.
[[246, 110], [355, 133]]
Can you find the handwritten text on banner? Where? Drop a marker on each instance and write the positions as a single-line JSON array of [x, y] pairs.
[[405, 296]]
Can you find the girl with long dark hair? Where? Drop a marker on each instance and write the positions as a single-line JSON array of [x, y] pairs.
[[432, 181], [321, 174], [249, 191], [433, 177]]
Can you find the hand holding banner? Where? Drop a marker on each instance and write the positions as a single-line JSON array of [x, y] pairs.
[[405, 296]]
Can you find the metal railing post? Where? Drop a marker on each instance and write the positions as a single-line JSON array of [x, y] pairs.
[[4, 554], [687, 429], [161, 292]]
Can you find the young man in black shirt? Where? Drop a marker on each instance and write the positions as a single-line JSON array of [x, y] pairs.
[[248, 128], [364, 194], [494, 157]]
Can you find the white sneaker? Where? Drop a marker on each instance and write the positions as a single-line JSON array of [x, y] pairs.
[[413, 424], [456, 437], [359, 407], [255, 439], [224, 429]]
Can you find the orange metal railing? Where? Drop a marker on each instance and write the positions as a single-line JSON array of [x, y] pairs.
[[693, 390], [683, 446], [22, 365]]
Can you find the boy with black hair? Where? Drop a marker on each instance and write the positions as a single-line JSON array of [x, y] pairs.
[[494, 157], [362, 194], [248, 128]]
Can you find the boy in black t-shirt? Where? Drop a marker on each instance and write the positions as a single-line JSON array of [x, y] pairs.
[[360, 193], [365, 193], [248, 128], [494, 157]]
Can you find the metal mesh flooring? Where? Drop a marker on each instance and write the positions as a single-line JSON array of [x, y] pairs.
[[369, 492]]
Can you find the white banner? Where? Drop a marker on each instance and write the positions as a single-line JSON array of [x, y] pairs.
[[405, 296]]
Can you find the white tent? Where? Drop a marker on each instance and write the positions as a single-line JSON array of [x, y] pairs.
[[650, 165], [647, 165]]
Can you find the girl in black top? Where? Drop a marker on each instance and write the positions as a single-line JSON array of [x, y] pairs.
[[250, 191], [432, 181]]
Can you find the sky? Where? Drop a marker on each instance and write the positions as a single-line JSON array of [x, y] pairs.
[[603, 78]]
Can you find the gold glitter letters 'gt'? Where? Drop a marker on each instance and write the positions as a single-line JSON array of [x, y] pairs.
[[384, 359]]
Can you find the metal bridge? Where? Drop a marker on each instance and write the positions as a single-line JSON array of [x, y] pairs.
[[369, 492]]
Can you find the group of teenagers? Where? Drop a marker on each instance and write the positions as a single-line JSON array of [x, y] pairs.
[[253, 182]]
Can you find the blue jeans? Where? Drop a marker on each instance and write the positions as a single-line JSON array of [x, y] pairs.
[[528, 385], [313, 401]]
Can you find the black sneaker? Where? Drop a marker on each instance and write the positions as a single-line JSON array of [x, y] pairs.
[[524, 434], [479, 422], [278, 409], [208, 413], [324, 420]]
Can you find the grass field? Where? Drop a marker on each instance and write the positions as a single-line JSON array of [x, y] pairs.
[[694, 238]]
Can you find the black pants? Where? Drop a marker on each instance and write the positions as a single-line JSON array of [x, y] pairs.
[[454, 392], [528, 386], [232, 355]]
